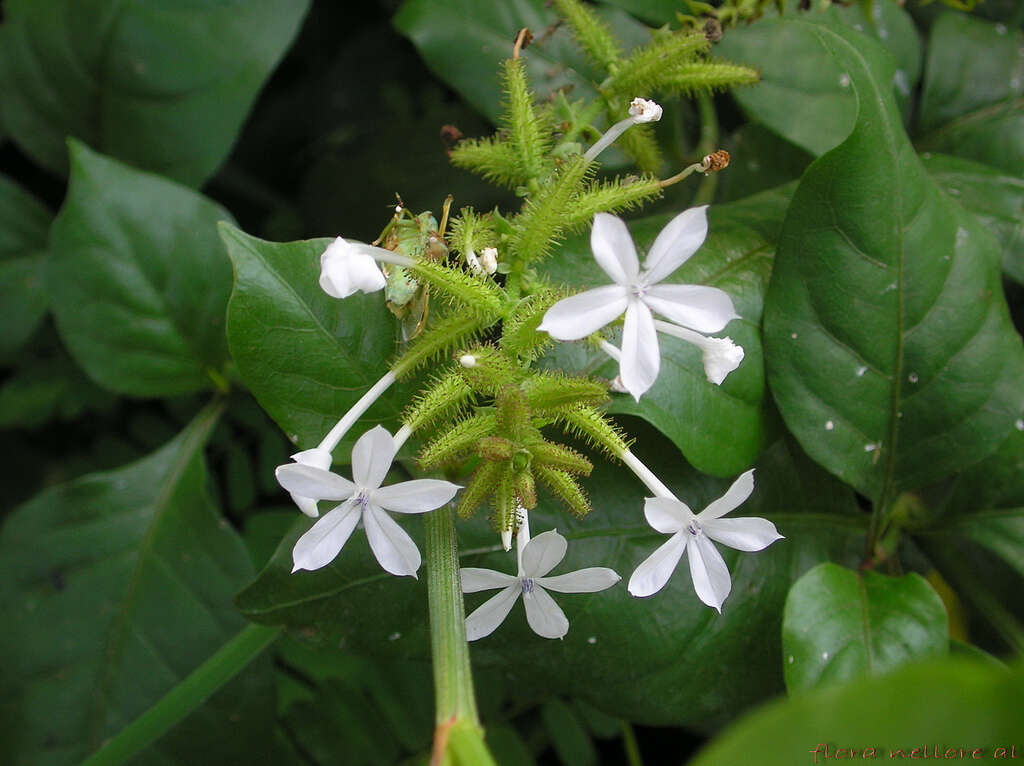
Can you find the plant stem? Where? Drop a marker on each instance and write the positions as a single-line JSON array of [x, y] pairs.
[[708, 143], [191, 692], [458, 732], [631, 746]]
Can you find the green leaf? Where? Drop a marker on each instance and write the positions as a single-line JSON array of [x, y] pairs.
[[996, 198], [890, 351], [162, 85], [138, 279], [306, 357], [948, 704], [972, 103], [43, 390], [761, 161], [118, 585], [731, 660], [805, 94], [570, 739], [463, 42], [720, 429], [24, 223], [840, 624]]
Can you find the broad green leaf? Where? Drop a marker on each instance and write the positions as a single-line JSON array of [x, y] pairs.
[[138, 279], [463, 41], [43, 390], [890, 351], [999, 532], [720, 429], [163, 85], [840, 624], [760, 161], [24, 223], [996, 198], [306, 357], [995, 482], [939, 706], [805, 94], [568, 736], [731, 660], [972, 103], [116, 586]]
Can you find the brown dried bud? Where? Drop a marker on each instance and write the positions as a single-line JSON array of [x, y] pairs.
[[715, 161], [451, 135], [523, 39], [713, 30]]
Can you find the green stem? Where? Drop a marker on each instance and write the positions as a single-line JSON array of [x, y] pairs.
[[708, 143], [631, 746], [191, 692], [458, 734]]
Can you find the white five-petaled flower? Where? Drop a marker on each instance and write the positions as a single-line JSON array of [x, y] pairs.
[[364, 499], [539, 556], [637, 293], [346, 269], [693, 533]]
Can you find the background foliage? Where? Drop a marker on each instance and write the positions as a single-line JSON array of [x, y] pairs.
[[155, 369]]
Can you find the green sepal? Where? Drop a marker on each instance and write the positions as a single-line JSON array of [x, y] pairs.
[[646, 69], [458, 440], [541, 224], [492, 371], [481, 486], [513, 416], [471, 232], [590, 33], [519, 334], [613, 196], [527, 133], [525, 489], [467, 289], [565, 488], [495, 448], [552, 390], [708, 76], [440, 340], [444, 397], [506, 506], [559, 456], [490, 157], [588, 424]]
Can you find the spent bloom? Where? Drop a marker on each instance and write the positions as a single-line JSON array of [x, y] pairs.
[[346, 267], [537, 557], [636, 293], [693, 534], [364, 499]]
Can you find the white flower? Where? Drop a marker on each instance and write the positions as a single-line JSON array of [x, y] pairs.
[[318, 458], [489, 259], [637, 293], [364, 499], [693, 534], [719, 355], [539, 556], [345, 269], [644, 110]]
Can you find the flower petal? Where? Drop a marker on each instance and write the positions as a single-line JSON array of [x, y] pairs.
[[316, 457], [667, 515], [710, 575], [721, 356], [545, 616], [416, 496], [307, 481], [641, 358], [735, 496], [391, 545], [580, 315], [325, 539], [701, 308], [344, 270], [489, 615], [475, 579], [613, 249], [589, 580], [654, 571], [681, 238], [371, 457], [543, 553], [746, 534], [306, 504]]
